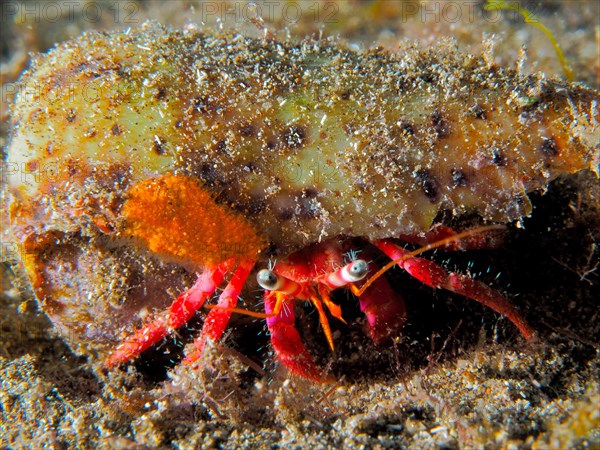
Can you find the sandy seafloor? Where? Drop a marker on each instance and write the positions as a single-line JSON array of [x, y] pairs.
[[458, 377]]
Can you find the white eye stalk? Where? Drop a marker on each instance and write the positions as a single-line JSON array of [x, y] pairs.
[[270, 281], [350, 273]]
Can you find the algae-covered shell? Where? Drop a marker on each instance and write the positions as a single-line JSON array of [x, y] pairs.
[[310, 140], [307, 140]]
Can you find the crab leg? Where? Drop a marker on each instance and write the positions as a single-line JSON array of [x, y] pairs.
[[180, 312], [436, 276], [285, 338], [217, 319]]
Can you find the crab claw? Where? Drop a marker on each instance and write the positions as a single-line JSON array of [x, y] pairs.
[[384, 309], [285, 339]]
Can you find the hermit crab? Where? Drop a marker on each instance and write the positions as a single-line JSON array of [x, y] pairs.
[[158, 165]]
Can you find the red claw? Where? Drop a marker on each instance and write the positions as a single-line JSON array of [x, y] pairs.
[[285, 339], [384, 309]]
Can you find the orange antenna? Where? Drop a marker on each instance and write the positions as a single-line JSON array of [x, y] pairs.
[[245, 312], [431, 246], [279, 304]]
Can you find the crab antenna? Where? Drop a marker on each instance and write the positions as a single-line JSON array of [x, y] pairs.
[[276, 310], [431, 246]]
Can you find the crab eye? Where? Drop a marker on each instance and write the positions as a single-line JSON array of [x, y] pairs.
[[358, 270], [267, 279]]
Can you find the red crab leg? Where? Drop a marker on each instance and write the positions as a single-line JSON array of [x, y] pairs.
[[218, 318], [436, 276], [285, 338], [180, 312]]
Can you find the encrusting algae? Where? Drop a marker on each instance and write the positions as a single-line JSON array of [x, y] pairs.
[[174, 216]]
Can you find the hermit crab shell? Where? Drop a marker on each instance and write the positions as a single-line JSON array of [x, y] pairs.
[[305, 141], [309, 140]]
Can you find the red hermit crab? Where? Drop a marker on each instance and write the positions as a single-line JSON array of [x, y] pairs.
[[161, 209], [159, 153]]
